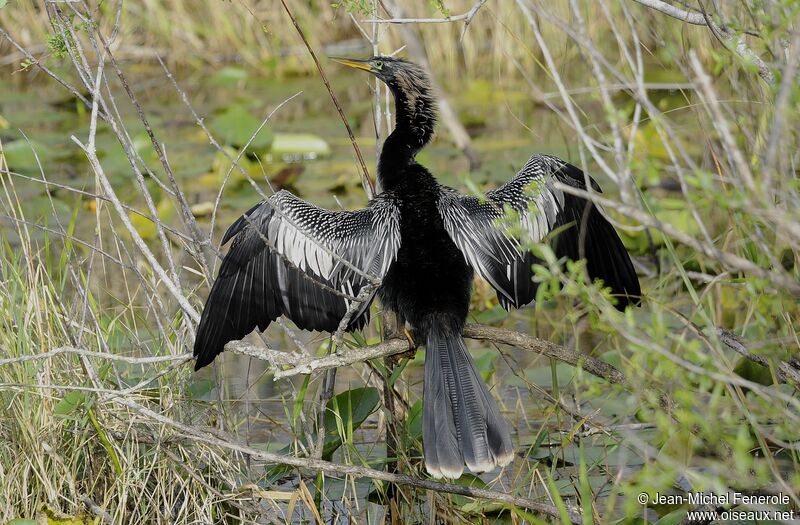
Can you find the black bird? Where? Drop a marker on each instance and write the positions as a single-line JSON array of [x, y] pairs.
[[423, 241]]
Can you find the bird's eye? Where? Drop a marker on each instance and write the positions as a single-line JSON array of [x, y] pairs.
[[378, 64]]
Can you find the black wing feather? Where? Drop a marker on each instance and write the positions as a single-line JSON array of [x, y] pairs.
[[581, 231], [587, 234], [291, 258]]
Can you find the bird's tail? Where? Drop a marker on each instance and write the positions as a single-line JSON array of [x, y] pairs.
[[460, 420]]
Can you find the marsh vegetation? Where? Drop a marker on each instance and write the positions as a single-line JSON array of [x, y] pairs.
[[132, 134]]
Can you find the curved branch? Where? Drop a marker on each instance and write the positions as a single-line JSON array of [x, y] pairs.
[[303, 364], [677, 13], [504, 336], [319, 465]]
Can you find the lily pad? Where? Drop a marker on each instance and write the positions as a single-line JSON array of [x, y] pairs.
[[229, 76], [236, 125], [202, 209], [20, 155], [299, 146]]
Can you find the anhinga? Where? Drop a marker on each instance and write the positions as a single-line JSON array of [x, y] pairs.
[[423, 241]]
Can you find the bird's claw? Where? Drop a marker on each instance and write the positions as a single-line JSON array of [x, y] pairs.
[[412, 347]]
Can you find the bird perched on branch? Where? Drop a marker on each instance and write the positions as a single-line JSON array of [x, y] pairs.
[[416, 246]]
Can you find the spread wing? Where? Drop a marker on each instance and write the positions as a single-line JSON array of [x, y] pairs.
[[491, 238], [291, 258]]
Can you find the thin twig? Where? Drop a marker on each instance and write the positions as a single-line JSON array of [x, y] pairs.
[[465, 17], [188, 218], [785, 371], [366, 180], [89, 353]]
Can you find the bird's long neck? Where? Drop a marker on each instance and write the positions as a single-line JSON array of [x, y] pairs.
[[415, 110]]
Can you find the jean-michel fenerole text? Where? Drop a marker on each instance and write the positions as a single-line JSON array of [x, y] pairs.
[[725, 498]]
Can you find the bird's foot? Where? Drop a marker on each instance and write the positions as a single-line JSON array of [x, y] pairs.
[[412, 347]]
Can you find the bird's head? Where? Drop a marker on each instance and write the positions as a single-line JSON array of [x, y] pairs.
[[396, 73], [411, 87]]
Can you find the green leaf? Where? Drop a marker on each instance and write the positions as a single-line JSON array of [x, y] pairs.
[[584, 487], [543, 375], [414, 421], [2, 5], [70, 403], [345, 413], [299, 399], [468, 505], [21, 154], [754, 372], [525, 515], [236, 125], [18, 521], [613, 358], [492, 315], [468, 479], [484, 362], [200, 388]]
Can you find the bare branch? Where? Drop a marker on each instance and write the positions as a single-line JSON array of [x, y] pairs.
[[135, 236], [465, 17], [670, 10], [102, 355], [188, 218], [786, 370], [504, 336], [302, 364], [318, 465], [448, 116], [77, 94], [732, 41]]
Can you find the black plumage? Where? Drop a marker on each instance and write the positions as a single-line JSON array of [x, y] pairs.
[[416, 247], [289, 257]]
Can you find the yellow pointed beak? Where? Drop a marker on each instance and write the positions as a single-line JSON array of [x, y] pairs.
[[358, 64]]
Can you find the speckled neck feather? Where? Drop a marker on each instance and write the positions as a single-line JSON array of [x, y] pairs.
[[416, 113]]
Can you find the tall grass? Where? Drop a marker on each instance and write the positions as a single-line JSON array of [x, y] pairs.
[[66, 447], [494, 45]]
